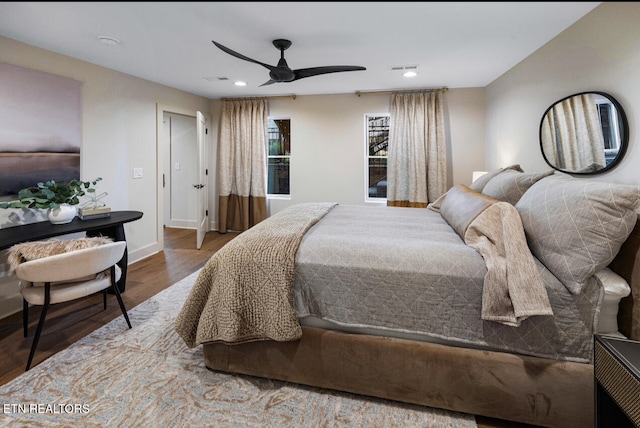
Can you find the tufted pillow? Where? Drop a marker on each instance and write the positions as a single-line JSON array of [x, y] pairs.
[[479, 184], [575, 227], [33, 250], [510, 185], [462, 205]]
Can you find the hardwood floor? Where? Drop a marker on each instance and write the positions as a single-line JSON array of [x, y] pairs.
[[68, 322]]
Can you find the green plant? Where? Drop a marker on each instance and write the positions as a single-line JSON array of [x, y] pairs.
[[51, 194]]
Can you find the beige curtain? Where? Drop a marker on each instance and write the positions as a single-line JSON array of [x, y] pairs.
[[572, 136], [242, 165], [417, 164]]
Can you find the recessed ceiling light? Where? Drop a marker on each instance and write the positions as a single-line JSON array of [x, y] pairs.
[[108, 40], [240, 83], [408, 70]]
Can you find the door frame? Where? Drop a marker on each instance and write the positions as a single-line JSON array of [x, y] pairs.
[[161, 109]]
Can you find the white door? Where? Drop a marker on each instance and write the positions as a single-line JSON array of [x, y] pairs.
[[203, 206]]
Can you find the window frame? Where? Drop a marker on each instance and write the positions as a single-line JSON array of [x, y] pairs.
[[613, 133], [268, 157], [368, 198]]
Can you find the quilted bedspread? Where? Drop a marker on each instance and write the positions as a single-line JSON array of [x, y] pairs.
[[406, 271], [388, 269]]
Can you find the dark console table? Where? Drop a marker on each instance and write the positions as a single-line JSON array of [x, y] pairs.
[[111, 226]]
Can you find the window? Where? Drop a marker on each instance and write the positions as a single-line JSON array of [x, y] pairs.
[[610, 129], [377, 142], [278, 157]]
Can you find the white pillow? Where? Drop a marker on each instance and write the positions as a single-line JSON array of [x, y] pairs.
[[615, 288]]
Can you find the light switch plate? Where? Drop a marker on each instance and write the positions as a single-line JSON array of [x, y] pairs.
[[137, 172]]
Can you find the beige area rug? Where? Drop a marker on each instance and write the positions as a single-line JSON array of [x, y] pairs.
[[147, 377]]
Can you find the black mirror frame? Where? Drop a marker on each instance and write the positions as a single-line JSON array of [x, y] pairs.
[[624, 140]]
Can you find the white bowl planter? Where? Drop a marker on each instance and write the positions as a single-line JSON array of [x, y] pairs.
[[65, 214]]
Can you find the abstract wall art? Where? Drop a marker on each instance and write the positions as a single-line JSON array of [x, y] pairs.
[[40, 128]]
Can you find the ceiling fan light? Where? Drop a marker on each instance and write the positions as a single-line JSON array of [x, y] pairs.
[[240, 83]]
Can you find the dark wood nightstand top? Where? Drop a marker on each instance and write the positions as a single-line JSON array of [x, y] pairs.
[[628, 351]]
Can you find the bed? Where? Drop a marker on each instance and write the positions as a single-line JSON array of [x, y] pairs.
[[307, 296]]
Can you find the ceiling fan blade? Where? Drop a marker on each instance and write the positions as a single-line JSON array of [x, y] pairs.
[[282, 72], [240, 56], [316, 71]]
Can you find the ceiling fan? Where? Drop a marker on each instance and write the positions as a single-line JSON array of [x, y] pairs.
[[282, 72]]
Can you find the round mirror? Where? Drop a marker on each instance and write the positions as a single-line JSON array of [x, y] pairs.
[[585, 133]]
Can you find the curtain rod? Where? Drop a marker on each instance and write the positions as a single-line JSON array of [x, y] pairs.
[[358, 93], [259, 98]]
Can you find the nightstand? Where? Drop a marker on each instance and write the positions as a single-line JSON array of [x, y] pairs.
[[616, 367]]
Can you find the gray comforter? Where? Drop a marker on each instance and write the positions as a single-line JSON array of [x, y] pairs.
[[369, 267]]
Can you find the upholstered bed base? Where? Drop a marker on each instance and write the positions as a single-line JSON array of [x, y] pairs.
[[525, 389], [530, 390]]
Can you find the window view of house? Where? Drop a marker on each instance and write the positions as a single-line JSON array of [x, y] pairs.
[[377, 140], [278, 156], [609, 122]]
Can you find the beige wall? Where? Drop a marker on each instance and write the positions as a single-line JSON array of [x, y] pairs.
[[600, 52], [328, 142]]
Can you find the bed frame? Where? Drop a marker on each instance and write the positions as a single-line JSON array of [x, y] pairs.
[[519, 388]]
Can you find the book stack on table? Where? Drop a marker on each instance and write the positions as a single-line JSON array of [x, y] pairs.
[[88, 213]]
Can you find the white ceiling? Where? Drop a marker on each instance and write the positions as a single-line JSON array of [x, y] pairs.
[[454, 44]]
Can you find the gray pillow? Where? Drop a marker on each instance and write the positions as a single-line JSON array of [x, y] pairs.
[[575, 227], [479, 184], [510, 185], [462, 205]]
